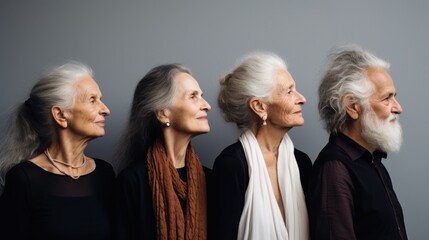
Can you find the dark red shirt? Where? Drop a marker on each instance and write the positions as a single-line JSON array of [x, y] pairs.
[[351, 195]]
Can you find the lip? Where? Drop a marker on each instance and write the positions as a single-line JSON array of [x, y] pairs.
[[101, 122], [202, 118]]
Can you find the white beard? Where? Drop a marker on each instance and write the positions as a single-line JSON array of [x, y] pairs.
[[384, 135]]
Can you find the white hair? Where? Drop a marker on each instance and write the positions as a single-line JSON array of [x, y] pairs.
[[346, 74], [255, 76], [30, 127], [381, 134]]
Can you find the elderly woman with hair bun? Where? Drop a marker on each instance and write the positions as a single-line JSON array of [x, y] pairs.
[[162, 190], [260, 181], [51, 189]]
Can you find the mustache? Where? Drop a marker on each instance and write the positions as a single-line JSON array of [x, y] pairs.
[[393, 117]]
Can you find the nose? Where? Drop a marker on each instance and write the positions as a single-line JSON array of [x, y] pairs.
[[301, 98], [104, 110], [205, 105], [396, 107]]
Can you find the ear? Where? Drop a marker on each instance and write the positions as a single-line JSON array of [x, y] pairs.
[[163, 115], [59, 116], [353, 109], [259, 107]]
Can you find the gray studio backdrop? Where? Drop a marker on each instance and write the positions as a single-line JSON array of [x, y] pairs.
[[122, 40]]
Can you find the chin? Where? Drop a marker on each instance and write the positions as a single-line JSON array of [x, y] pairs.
[[298, 124], [99, 135], [206, 130], [201, 131]]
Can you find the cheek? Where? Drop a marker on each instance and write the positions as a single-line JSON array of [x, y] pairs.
[[286, 107], [89, 116], [189, 111], [382, 112], [181, 116]]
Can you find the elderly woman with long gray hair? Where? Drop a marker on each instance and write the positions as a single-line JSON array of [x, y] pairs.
[[162, 190], [51, 189]]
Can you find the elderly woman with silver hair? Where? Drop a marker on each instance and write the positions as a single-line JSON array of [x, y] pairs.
[[260, 181], [52, 190], [162, 191]]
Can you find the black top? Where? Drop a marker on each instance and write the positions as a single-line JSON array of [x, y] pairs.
[[351, 195], [135, 218], [37, 204], [230, 179]]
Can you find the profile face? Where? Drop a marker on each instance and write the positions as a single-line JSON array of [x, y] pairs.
[[188, 112], [379, 121], [383, 101], [285, 110], [87, 116]]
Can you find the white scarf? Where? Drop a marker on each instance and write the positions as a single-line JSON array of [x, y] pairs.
[[261, 217]]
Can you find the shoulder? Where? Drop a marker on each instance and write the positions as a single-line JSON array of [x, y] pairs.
[[21, 171], [331, 152], [331, 164], [132, 183], [333, 174], [302, 158], [304, 166], [134, 173], [233, 149], [104, 167], [231, 167], [303, 161], [102, 164], [231, 157], [19, 176], [208, 174], [206, 170], [333, 167]]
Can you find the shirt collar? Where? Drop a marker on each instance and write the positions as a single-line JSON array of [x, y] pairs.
[[353, 149]]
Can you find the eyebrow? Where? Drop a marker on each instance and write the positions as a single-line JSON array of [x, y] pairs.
[[388, 95], [194, 92]]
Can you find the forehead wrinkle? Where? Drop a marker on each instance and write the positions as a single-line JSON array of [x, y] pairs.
[[83, 93], [385, 92], [283, 74]]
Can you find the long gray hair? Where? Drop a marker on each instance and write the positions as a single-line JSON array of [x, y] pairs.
[[154, 92], [30, 127], [253, 77], [346, 74]]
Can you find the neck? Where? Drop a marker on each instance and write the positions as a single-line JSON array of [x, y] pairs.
[[67, 151], [353, 132], [268, 137], [176, 146]]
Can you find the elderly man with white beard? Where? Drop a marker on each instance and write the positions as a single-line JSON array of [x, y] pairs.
[[351, 194]]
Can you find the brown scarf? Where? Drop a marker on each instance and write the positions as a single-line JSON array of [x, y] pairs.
[[167, 188]]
